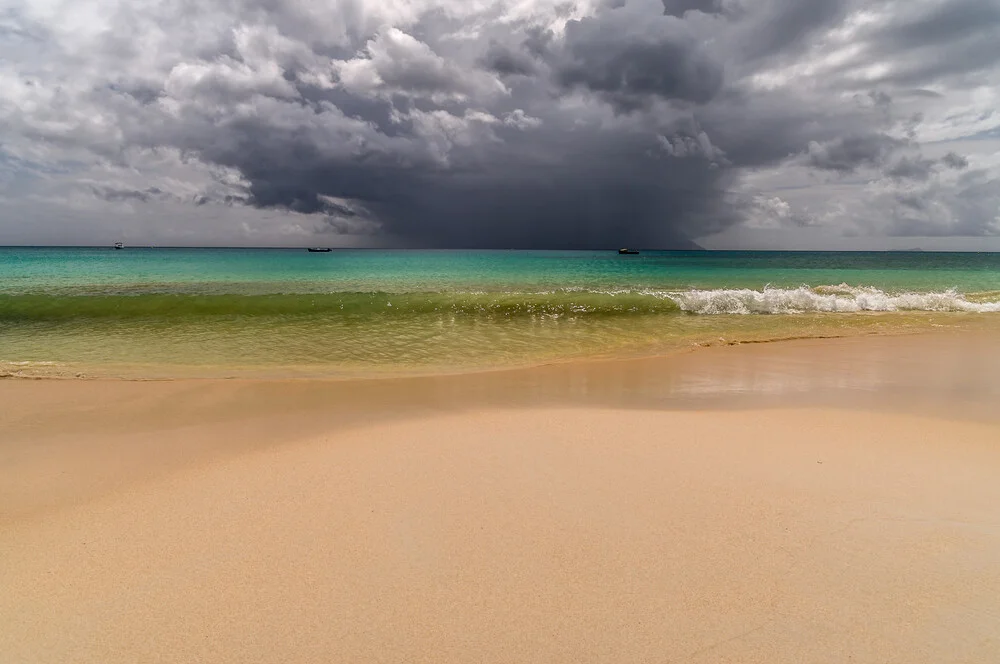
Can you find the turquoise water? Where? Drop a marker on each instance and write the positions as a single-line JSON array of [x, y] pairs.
[[169, 312], [268, 271]]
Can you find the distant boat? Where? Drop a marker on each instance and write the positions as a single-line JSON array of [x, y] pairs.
[[624, 250], [319, 250], [119, 245]]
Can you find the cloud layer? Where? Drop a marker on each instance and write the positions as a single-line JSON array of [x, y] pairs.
[[500, 123]]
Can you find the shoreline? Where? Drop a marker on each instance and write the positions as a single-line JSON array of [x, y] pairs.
[[653, 351], [391, 374]]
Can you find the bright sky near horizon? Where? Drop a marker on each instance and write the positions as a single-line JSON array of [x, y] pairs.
[[822, 124]]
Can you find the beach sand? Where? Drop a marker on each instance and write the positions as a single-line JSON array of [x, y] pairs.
[[601, 512]]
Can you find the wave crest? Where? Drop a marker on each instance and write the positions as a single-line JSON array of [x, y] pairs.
[[563, 303], [842, 298]]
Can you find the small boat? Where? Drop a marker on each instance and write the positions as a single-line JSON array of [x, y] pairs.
[[319, 250], [119, 245], [624, 250]]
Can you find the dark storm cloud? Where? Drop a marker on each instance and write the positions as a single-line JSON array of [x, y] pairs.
[[518, 124], [429, 166], [441, 173], [297, 198], [603, 192], [604, 197], [630, 57]]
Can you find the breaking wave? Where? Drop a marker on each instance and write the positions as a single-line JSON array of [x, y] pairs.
[[842, 298], [563, 303]]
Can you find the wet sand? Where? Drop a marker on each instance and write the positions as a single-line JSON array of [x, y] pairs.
[[810, 501]]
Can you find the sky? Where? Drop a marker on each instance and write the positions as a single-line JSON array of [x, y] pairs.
[[728, 124]]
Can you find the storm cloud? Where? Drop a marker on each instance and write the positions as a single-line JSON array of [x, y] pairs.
[[506, 124]]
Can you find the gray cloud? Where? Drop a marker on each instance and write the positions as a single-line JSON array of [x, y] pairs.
[[913, 168], [119, 195], [508, 123], [846, 154], [681, 7], [508, 61], [970, 208], [783, 27], [933, 42], [942, 23], [955, 161], [634, 54]]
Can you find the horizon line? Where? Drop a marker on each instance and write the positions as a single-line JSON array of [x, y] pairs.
[[567, 249]]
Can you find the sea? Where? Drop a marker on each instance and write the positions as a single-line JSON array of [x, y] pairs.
[[187, 312]]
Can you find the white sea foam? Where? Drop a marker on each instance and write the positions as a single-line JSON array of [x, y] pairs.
[[841, 298], [28, 363]]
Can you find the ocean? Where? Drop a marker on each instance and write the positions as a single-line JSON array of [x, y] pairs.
[[179, 312]]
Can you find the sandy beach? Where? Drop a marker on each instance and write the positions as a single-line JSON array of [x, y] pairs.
[[754, 504], [500, 332]]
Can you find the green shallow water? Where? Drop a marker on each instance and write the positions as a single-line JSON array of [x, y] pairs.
[[230, 312], [357, 306]]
